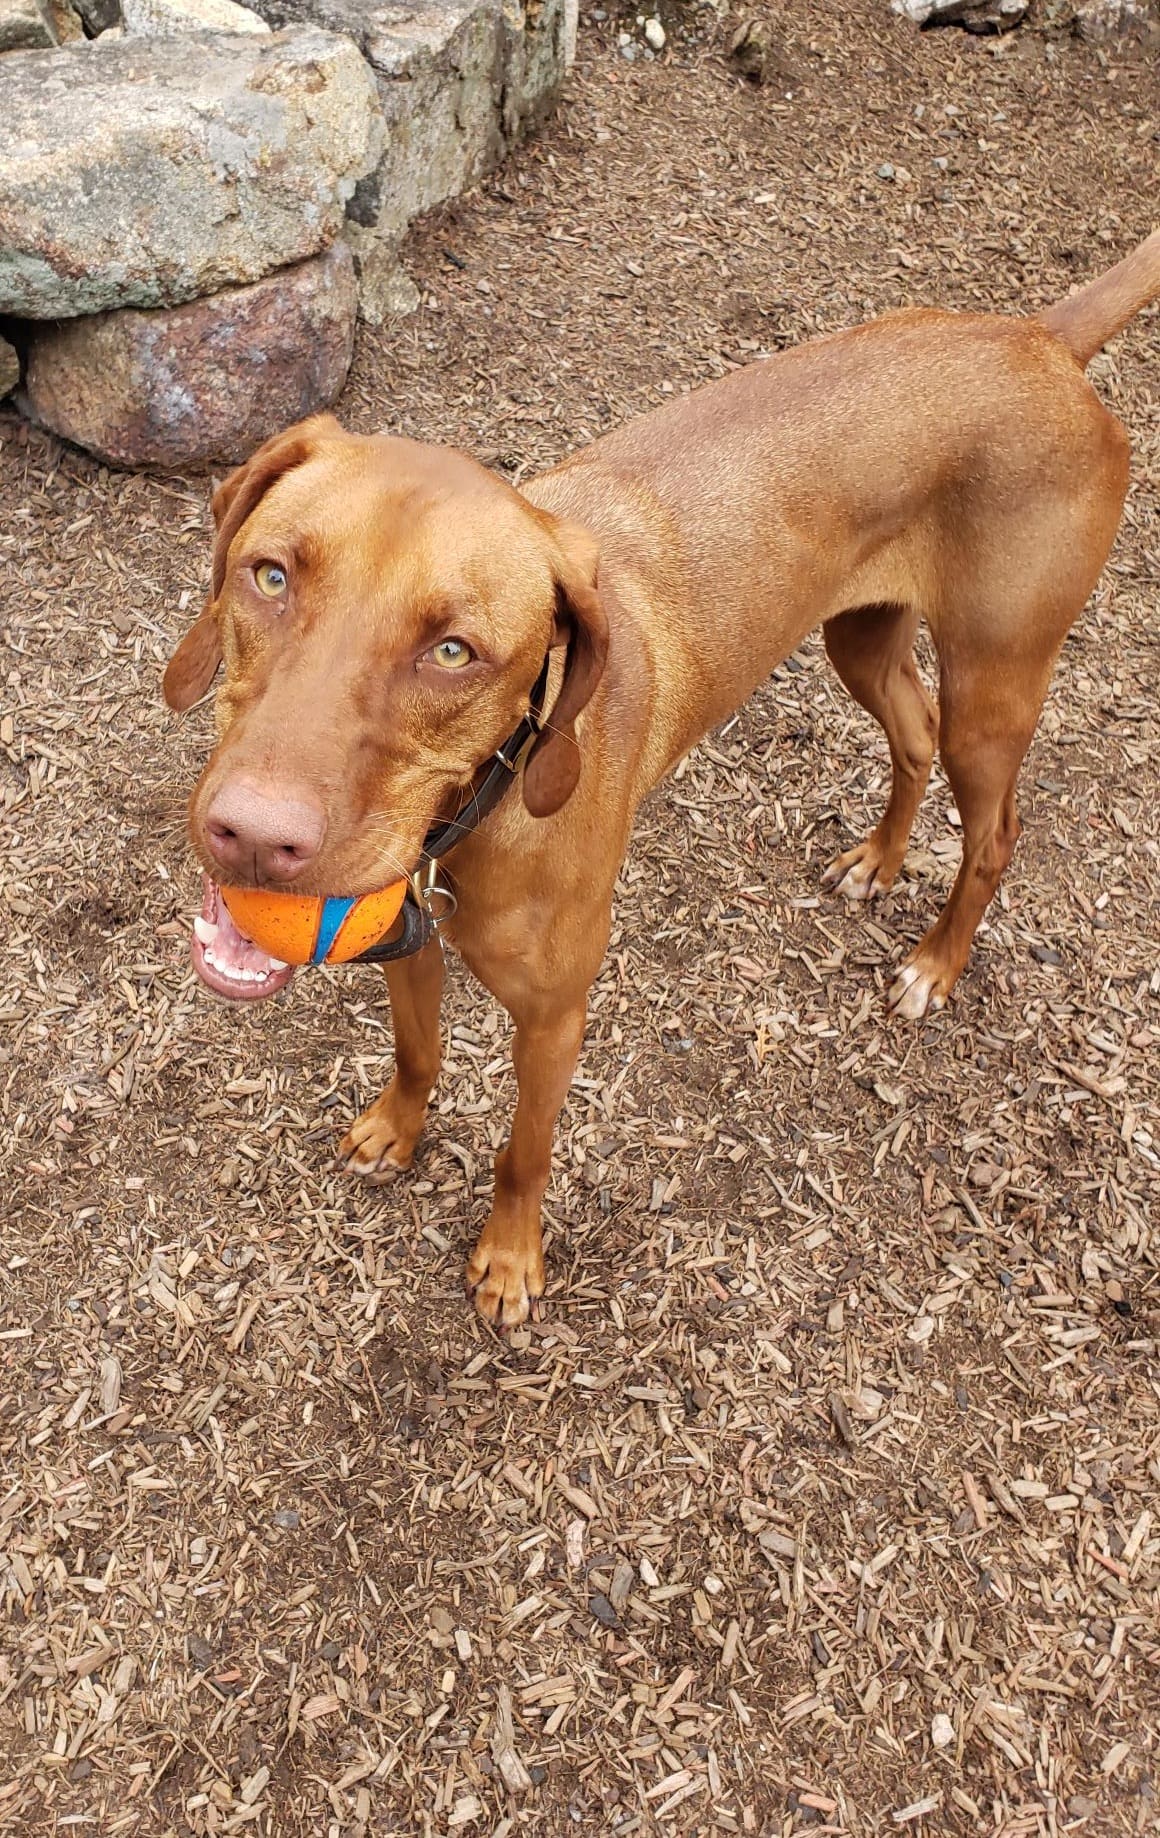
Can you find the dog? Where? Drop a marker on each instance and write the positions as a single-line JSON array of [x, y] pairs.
[[389, 614]]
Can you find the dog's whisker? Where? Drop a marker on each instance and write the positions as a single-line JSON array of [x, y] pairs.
[[549, 727]]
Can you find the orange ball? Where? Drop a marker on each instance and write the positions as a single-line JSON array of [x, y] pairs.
[[303, 928]]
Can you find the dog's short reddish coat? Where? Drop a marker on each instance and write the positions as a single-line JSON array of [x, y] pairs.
[[928, 466]]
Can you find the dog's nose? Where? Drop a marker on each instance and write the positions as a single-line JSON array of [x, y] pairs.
[[250, 831]]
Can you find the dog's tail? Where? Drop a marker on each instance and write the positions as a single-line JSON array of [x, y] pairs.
[[1086, 320]]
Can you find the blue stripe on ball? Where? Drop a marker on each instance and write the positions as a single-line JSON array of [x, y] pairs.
[[334, 911]]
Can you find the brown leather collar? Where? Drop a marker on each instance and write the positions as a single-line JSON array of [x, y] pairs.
[[415, 926]]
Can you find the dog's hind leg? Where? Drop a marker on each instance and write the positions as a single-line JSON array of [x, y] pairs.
[[872, 650], [989, 711], [1005, 612]]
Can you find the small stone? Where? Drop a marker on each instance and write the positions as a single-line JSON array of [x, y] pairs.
[[942, 1731], [201, 1653], [1080, 1806], [287, 1519], [886, 170], [603, 1610], [9, 368], [1118, 22], [975, 15], [749, 49], [654, 31], [81, 1769]]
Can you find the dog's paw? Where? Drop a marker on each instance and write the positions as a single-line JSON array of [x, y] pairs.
[[918, 989], [381, 1141], [505, 1276], [859, 874]]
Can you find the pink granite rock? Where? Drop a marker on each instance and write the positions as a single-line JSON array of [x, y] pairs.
[[202, 384]]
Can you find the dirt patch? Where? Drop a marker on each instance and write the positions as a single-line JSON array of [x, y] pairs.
[[826, 1490]]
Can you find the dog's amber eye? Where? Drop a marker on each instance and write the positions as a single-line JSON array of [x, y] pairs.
[[270, 580], [452, 654]]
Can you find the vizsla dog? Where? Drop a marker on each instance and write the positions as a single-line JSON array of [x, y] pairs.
[[388, 611]]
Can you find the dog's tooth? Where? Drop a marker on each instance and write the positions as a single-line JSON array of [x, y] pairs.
[[204, 930], [277, 964]]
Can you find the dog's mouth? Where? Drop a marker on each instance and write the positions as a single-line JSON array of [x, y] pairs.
[[226, 960]]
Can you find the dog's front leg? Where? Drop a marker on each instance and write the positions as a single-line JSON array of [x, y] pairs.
[[385, 1135], [506, 1269]]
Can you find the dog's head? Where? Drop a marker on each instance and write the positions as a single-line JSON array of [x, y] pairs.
[[381, 610]]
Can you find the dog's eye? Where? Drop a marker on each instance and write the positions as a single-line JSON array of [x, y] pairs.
[[270, 580], [451, 654]]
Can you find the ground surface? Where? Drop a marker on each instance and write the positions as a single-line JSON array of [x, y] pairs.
[[825, 1497]]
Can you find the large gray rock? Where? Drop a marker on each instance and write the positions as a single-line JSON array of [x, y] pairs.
[[459, 80], [64, 22], [23, 26], [149, 172], [99, 15], [168, 18], [201, 384]]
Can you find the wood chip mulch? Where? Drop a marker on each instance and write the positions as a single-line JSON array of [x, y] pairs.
[[826, 1497]]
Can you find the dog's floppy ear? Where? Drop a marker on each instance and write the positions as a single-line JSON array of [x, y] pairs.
[[194, 664], [553, 765]]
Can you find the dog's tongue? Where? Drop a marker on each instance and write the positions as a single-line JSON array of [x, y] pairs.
[[228, 962]]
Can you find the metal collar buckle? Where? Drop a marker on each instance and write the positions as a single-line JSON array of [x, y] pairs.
[[427, 888]]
